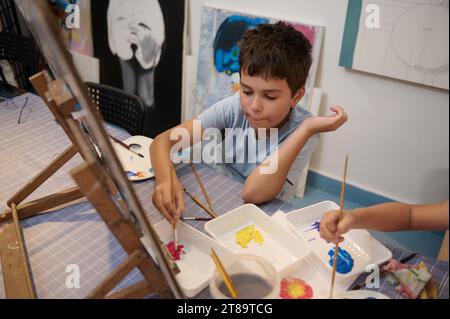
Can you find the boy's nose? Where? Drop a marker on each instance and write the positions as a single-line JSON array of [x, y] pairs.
[[256, 106]]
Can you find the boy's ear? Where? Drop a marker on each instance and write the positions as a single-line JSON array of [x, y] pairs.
[[297, 97]]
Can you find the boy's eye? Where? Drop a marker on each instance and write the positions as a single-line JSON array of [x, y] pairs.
[[271, 98], [247, 92]]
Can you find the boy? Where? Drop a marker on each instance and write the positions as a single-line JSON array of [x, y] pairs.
[[274, 64]]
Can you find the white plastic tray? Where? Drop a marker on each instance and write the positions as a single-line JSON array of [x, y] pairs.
[[132, 162], [364, 249], [196, 266], [280, 248]]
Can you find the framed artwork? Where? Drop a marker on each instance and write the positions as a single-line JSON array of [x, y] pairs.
[[140, 47], [405, 40]]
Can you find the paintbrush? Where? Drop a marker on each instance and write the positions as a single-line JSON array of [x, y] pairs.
[[128, 147], [341, 212], [203, 190], [223, 273], [174, 225], [199, 203], [203, 219]]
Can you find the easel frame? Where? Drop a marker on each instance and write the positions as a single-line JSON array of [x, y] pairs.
[[100, 179]]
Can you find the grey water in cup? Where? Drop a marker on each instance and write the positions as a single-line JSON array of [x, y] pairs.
[[249, 286]]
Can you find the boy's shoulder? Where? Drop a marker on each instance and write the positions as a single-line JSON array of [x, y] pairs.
[[232, 101]]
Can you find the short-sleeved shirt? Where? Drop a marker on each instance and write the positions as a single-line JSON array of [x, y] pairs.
[[241, 152]]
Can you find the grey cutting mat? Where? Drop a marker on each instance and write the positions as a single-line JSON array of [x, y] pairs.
[[76, 234]]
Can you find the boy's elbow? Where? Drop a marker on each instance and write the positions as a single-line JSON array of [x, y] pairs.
[[253, 196]]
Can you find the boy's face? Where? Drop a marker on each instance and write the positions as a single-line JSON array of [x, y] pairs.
[[267, 103]]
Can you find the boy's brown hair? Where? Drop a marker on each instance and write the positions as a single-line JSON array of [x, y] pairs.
[[276, 51]]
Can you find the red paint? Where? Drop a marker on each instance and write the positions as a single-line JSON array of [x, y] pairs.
[[295, 288], [175, 252]]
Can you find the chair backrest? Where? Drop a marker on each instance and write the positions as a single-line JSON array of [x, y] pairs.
[[118, 107], [23, 53]]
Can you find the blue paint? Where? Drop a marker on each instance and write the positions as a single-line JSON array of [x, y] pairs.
[[130, 174], [314, 226], [345, 261]]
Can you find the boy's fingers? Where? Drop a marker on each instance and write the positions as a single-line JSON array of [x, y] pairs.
[[344, 226], [169, 205], [328, 226], [179, 198], [158, 202], [325, 232]]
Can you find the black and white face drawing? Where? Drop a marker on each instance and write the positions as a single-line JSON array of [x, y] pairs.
[[136, 33]]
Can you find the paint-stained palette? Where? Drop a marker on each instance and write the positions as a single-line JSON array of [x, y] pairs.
[[136, 167], [357, 251]]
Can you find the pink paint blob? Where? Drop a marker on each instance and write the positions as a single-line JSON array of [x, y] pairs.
[[175, 252]]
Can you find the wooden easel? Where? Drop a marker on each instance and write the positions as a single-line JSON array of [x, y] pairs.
[[96, 185]]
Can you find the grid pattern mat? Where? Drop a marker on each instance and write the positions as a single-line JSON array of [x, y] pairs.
[[76, 234]]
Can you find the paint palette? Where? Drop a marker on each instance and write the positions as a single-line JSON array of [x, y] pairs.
[[357, 251], [136, 167], [248, 230], [196, 266]]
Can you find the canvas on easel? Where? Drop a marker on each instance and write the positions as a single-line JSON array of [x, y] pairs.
[[100, 179]]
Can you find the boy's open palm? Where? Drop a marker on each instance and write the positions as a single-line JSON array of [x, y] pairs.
[[329, 123]]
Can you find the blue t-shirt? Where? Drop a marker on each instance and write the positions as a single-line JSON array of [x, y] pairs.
[[241, 152]]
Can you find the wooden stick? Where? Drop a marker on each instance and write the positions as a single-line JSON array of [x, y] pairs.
[[341, 213], [45, 204], [203, 189], [199, 203], [136, 291], [223, 273], [174, 225], [43, 176]]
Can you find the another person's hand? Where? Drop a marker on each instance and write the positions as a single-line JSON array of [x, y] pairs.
[[162, 199], [331, 230], [329, 123]]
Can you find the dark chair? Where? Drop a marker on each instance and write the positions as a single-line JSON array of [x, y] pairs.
[[118, 107], [24, 56]]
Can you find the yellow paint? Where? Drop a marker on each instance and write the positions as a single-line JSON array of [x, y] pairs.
[[245, 235], [296, 290]]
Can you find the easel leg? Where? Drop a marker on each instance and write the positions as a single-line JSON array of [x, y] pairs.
[[15, 266]]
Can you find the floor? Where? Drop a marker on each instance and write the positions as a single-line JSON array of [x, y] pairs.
[[425, 243]]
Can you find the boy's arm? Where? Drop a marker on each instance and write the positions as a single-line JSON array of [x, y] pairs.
[[160, 151], [264, 183]]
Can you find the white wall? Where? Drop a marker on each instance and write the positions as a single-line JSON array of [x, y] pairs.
[[397, 135]]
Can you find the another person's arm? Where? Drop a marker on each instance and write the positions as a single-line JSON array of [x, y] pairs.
[[261, 186], [386, 217]]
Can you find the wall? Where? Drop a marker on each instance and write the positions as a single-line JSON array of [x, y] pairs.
[[397, 135]]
